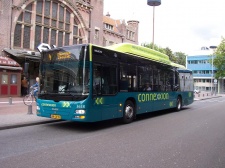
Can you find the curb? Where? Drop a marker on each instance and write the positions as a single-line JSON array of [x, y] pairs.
[[207, 98], [25, 124]]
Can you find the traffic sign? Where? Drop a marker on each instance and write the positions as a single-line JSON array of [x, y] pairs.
[[43, 46]]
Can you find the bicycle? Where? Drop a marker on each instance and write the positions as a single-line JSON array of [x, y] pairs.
[[28, 99]]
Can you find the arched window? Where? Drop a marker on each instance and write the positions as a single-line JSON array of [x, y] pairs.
[[49, 22]]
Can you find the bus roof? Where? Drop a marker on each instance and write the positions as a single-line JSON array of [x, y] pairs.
[[181, 70], [144, 52], [178, 65]]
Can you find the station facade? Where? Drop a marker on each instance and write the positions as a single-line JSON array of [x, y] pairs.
[[27, 23]]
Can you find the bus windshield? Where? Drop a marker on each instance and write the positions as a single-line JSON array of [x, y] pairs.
[[65, 71]]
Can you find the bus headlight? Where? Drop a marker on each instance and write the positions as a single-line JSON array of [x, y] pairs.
[[38, 108], [80, 111]]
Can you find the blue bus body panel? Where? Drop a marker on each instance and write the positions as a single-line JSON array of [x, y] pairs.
[[108, 107]]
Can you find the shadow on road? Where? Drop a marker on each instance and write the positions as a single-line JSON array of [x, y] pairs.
[[159, 113], [102, 125]]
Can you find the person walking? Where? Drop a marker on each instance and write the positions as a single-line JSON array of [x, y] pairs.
[[24, 85]]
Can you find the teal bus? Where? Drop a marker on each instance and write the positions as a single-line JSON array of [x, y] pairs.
[[89, 83]]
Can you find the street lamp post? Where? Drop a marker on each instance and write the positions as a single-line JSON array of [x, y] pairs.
[[212, 77], [153, 3]]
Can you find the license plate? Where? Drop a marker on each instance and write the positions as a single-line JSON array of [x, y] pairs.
[[57, 117]]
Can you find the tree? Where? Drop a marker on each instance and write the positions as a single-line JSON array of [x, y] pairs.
[[177, 57], [219, 60], [181, 58], [169, 52], [157, 48]]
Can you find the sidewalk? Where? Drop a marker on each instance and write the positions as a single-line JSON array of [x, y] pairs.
[[206, 95], [17, 114]]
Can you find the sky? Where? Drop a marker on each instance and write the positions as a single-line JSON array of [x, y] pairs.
[[182, 25]]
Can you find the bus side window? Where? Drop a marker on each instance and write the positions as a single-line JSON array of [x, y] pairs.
[[124, 84], [110, 79], [105, 88], [177, 84]]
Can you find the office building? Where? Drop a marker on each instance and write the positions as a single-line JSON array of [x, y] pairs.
[[201, 63]]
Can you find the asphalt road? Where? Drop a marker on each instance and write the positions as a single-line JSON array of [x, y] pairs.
[[193, 137]]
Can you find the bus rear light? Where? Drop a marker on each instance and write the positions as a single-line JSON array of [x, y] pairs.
[[80, 111]]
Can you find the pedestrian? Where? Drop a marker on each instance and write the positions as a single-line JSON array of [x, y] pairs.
[[36, 87], [24, 85]]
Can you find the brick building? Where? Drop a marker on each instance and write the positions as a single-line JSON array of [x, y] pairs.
[[117, 31], [27, 23]]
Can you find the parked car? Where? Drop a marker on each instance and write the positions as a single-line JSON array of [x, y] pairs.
[[196, 91]]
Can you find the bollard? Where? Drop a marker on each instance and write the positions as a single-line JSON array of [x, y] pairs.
[[29, 109], [10, 100]]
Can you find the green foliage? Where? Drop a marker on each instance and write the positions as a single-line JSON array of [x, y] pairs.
[[170, 54], [181, 58], [219, 60], [177, 57], [157, 48]]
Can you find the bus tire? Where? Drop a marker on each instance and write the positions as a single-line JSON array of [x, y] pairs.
[[128, 112], [178, 104]]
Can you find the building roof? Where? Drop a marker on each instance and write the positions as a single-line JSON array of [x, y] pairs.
[[112, 22], [201, 52], [23, 54]]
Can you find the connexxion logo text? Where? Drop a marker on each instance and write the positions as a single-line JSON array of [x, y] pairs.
[[144, 97]]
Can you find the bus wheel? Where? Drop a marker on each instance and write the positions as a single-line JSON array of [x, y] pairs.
[[128, 112], [179, 104]]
